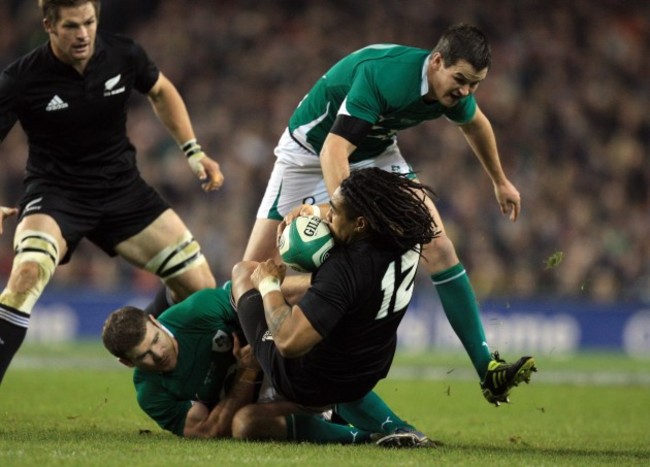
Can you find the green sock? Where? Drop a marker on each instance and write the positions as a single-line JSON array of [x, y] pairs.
[[316, 430], [371, 413], [460, 305]]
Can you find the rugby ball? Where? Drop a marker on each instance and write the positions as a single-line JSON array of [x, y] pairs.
[[305, 243]]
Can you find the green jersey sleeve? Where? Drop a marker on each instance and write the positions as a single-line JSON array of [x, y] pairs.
[[462, 112], [160, 404]]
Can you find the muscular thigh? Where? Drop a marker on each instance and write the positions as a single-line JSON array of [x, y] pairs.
[[129, 214], [166, 248], [66, 215], [166, 230]]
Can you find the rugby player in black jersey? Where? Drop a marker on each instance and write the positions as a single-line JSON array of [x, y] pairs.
[[70, 96], [339, 340]]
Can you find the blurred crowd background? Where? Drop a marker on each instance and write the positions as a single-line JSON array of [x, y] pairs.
[[568, 96]]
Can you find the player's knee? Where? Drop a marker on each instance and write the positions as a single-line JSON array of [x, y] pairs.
[[178, 258], [259, 422], [243, 423], [37, 256], [25, 275], [439, 254], [241, 278], [243, 269]]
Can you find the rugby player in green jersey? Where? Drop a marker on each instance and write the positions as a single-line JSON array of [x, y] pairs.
[[349, 120], [192, 374]]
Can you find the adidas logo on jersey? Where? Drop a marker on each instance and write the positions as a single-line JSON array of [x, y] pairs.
[[56, 104], [110, 84]]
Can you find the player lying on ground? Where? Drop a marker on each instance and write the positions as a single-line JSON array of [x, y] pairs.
[[192, 375]]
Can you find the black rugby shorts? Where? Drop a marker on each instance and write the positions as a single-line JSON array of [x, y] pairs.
[[105, 217]]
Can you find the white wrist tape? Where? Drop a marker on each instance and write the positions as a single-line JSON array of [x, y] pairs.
[[190, 147], [194, 159], [194, 154], [316, 211], [269, 284]]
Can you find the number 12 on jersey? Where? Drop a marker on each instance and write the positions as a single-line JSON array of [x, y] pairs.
[[397, 283]]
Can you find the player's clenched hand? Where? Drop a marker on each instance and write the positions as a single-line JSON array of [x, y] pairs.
[[302, 210], [295, 212], [509, 199], [6, 212], [266, 269], [205, 168], [208, 171]]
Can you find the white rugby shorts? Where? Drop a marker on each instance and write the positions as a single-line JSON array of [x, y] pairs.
[[297, 177]]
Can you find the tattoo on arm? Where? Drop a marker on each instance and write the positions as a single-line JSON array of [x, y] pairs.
[[276, 315]]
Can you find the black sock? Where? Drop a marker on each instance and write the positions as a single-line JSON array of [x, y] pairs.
[[11, 337], [159, 304]]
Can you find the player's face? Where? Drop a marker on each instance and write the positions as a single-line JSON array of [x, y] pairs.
[[158, 351], [341, 226], [73, 36], [448, 85]]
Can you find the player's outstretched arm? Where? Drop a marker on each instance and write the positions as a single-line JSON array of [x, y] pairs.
[[480, 137], [172, 112]]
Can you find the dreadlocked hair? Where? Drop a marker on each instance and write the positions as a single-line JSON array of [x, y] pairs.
[[393, 206]]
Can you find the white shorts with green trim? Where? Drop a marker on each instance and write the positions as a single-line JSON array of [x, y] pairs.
[[297, 177]]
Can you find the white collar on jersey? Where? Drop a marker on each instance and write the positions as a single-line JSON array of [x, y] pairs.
[[424, 86]]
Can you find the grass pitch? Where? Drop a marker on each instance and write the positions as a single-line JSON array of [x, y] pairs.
[[74, 406]]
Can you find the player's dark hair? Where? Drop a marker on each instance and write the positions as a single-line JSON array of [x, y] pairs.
[[124, 329], [464, 42], [50, 8], [393, 205]]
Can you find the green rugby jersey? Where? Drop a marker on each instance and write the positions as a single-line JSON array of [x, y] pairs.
[[382, 84], [203, 325]]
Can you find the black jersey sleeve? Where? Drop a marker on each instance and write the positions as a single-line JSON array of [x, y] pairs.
[[330, 296], [8, 93], [147, 72], [351, 128]]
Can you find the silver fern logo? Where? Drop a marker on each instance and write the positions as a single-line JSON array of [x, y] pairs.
[[110, 84]]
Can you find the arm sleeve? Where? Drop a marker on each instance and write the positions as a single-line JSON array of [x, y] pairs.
[[161, 406], [364, 99], [351, 128], [329, 298], [8, 93], [147, 72]]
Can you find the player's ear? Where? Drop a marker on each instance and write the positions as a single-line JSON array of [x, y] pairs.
[[126, 362], [47, 26], [436, 61], [360, 225]]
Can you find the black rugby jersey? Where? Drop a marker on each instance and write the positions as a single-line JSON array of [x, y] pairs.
[[76, 124], [356, 302]]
